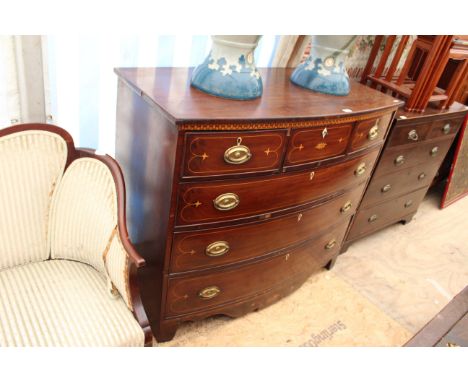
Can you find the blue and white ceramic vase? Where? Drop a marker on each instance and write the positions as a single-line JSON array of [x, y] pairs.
[[324, 70], [229, 71]]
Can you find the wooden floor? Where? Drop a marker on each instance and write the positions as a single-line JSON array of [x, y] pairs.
[[380, 292]]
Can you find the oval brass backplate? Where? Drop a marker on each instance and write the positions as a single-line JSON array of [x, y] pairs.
[[237, 154], [330, 244], [226, 202], [347, 206], [413, 135], [209, 292], [373, 133], [434, 151], [399, 160], [446, 128], [421, 176], [373, 218], [217, 248], [361, 169], [386, 188]]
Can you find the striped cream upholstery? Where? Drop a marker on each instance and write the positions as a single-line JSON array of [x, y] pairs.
[[84, 222], [62, 303], [31, 164]]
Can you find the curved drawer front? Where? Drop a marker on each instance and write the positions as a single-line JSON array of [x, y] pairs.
[[310, 145], [371, 219], [370, 132], [232, 153], [190, 294], [397, 158], [221, 246], [220, 201], [397, 183]]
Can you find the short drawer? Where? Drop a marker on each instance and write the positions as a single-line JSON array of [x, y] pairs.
[[370, 132], [222, 246], [444, 127], [310, 145], [209, 154], [398, 183], [194, 293], [374, 218], [398, 158], [200, 203]]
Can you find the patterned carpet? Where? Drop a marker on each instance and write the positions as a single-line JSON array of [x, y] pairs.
[[380, 292]]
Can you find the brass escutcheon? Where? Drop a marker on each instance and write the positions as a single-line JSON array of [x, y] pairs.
[[446, 128], [226, 202], [361, 169], [209, 292], [373, 133], [408, 203], [399, 160], [330, 244], [217, 248], [347, 206], [421, 176], [237, 154], [413, 135], [386, 188], [434, 151]]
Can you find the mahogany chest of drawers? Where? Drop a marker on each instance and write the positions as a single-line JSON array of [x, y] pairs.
[[415, 148], [235, 203]]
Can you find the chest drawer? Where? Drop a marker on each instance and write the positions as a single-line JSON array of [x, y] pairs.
[[398, 183], [189, 294], [374, 218], [398, 158], [200, 203], [221, 246], [444, 127], [310, 145], [208, 154], [370, 132]]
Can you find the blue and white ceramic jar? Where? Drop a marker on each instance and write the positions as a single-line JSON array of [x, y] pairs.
[[229, 71], [324, 70]]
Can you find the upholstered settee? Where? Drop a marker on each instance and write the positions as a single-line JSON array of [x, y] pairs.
[[67, 267]]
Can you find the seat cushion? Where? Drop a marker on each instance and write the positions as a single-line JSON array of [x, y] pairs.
[[62, 303]]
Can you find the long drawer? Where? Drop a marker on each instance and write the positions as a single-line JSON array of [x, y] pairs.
[[222, 246], [190, 294], [398, 158], [371, 219], [221, 201], [401, 182]]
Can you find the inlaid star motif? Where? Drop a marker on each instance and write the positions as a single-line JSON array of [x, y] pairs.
[[267, 151], [360, 135], [300, 147], [226, 70], [340, 140], [197, 204], [192, 252], [320, 145], [204, 156]]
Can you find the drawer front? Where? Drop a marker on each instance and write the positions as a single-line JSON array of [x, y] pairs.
[[232, 153], [407, 134], [444, 127], [398, 183], [398, 158], [374, 218], [370, 132], [220, 201], [190, 294], [310, 145], [221, 246]]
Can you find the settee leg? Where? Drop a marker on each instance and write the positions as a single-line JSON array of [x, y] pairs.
[[166, 331]]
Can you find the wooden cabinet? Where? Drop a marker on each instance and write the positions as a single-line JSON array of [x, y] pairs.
[[415, 149], [234, 204]]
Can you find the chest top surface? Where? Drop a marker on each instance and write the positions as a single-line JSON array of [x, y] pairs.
[[170, 90]]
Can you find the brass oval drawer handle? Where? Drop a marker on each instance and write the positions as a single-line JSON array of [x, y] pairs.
[[237, 154], [373, 218], [347, 206], [373, 133], [386, 188], [399, 160], [217, 248], [209, 292], [408, 203], [434, 151], [361, 169], [330, 244], [421, 176], [413, 135], [226, 202], [446, 128]]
